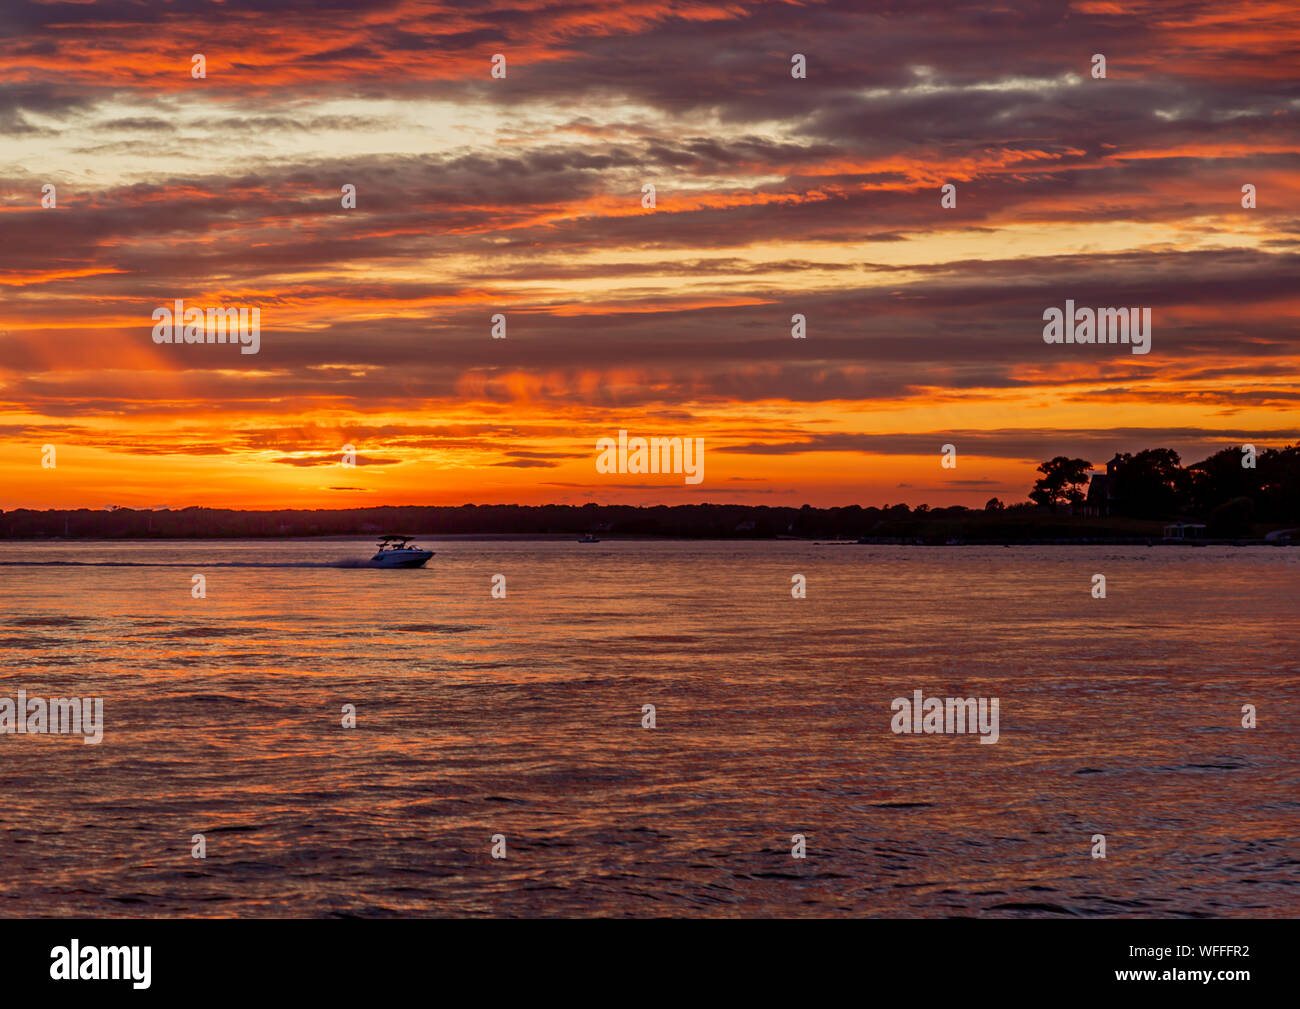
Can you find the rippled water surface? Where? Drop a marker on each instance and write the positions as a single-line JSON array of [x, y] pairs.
[[522, 716]]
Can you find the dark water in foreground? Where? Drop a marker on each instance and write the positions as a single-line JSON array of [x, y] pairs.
[[522, 717]]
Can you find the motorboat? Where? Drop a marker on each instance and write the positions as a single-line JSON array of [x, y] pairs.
[[397, 552], [589, 538]]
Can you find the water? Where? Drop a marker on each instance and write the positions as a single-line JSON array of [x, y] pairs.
[[522, 717]]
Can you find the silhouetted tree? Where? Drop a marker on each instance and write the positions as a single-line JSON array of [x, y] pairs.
[[1150, 484], [1279, 485], [1063, 481], [1220, 478]]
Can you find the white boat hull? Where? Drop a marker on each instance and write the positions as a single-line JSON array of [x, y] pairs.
[[401, 558]]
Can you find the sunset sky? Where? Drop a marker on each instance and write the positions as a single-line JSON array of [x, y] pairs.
[[523, 196]]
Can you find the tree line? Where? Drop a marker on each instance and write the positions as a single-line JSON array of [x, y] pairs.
[[1230, 491], [1232, 499]]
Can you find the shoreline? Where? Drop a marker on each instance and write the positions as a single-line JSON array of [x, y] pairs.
[[901, 541], [898, 524]]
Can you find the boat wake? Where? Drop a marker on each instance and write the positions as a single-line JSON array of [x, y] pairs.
[[356, 562]]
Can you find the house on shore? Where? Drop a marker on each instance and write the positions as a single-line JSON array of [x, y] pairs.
[[1101, 491]]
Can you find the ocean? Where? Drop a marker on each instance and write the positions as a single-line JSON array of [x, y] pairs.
[[521, 719]]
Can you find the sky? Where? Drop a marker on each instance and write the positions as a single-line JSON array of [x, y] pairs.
[[523, 195]]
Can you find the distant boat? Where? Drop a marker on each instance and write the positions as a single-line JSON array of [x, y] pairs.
[[396, 552], [589, 538]]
